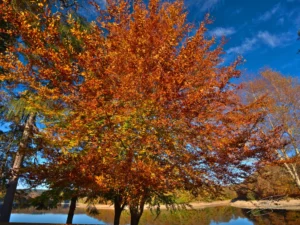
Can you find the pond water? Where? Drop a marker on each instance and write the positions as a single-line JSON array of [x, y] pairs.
[[53, 218], [207, 216]]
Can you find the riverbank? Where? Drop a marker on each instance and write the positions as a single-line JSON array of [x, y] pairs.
[[293, 204], [194, 205]]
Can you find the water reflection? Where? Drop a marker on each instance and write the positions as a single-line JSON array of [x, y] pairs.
[[207, 216], [277, 217], [53, 218]]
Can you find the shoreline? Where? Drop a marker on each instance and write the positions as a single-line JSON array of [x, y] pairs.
[[194, 205], [293, 204]]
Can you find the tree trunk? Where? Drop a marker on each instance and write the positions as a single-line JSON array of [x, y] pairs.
[[117, 216], [13, 182], [118, 212], [119, 207], [297, 180], [71, 210], [136, 213], [135, 217], [291, 169]]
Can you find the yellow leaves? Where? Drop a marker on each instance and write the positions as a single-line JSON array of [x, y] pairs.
[[133, 100], [156, 56], [70, 19], [108, 44], [100, 180], [72, 144], [168, 152]]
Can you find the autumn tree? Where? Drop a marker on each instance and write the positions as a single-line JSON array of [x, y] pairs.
[[22, 114], [8, 141], [149, 105], [282, 107], [67, 175], [27, 134], [64, 177], [269, 182]]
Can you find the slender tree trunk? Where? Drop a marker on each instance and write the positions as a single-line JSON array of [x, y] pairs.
[[136, 213], [13, 182], [135, 217], [119, 205], [297, 180], [72, 210], [117, 217], [291, 169]]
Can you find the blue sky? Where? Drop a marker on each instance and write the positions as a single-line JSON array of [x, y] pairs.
[[264, 32]]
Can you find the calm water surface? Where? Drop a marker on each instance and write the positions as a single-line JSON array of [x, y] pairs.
[[207, 216], [53, 218]]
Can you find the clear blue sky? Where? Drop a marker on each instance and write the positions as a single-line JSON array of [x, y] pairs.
[[264, 32]]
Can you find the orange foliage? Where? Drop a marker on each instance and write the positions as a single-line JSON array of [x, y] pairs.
[[151, 106]]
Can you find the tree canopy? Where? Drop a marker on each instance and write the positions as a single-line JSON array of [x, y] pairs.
[[147, 108], [281, 109]]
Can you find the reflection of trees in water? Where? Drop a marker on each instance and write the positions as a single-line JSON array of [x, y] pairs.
[[191, 217], [277, 217], [107, 216], [183, 217], [206, 216]]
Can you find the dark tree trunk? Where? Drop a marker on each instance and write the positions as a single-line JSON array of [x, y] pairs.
[[136, 213], [13, 182], [119, 207], [134, 219], [71, 210], [8, 200], [118, 212]]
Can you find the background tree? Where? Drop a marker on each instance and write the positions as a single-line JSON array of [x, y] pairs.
[[7, 40], [9, 139], [270, 182], [23, 146], [65, 177], [282, 109]]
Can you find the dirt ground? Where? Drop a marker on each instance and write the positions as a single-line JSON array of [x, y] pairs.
[[293, 204]]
